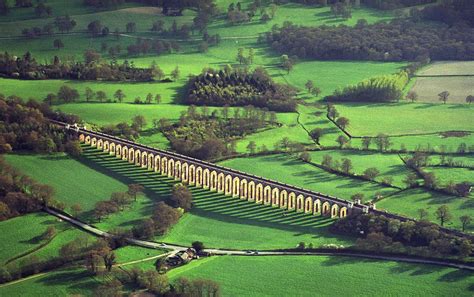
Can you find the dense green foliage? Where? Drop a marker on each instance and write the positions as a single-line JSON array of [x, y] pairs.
[[239, 87], [380, 233], [395, 41], [26, 67], [208, 136], [450, 12], [377, 89]]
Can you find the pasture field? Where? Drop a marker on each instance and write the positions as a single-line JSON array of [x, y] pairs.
[[459, 88], [288, 169], [464, 160], [134, 253], [237, 223], [389, 165], [449, 68], [22, 234], [331, 75], [78, 183], [310, 275], [409, 202], [456, 175], [430, 142], [58, 283], [406, 118]]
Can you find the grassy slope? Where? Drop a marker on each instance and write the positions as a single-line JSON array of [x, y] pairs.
[[410, 201], [62, 282], [78, 184], [238, 224], [307, 276], [21, 234], [292, 171], [389, 165], [395, 119]]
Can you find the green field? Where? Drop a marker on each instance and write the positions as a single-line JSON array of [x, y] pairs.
[[408, 203], [78, 183], [22, 234], [456, 175], [62, 282], [406, 118], [389, 165], [292, 171], [326, 276]]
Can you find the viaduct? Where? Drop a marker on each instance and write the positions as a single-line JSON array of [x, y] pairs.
[[217, 178]]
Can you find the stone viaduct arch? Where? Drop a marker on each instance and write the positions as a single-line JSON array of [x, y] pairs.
[[216, 178]]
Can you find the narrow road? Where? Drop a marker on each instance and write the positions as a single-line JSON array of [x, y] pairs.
[[175, 248]]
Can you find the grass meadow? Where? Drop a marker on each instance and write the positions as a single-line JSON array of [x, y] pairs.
[[458, 87], [319, 275]]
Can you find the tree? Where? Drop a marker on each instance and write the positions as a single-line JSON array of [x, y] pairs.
[[164, 217], [371, 173], [4, 7], [469, 99], [251, 147], [203, 47], [383, 142], [265, 18], [101, 96], [366, 142], [175, 73], [411, 180], [76, 209], [149, 98], [443, 214], [423, 213], [286, 63], [305, 157], [94, 28], [465, 221], [138, 122], [316, 91], [412, 95], [119, 95], [157, 98], [181, 197], [273, 9], [89, 94], [109, 260], [134, 189], [68, 94], [120, 199], [131, 27], [327, 161], [309, 85], [465, 248], [198, 246], [91, 56], [58, 44], [50, 98], [443, 96], [251, 56], [342, 122], [332, 112], [316, 134], [342, 140], [154, 282], [73, 148], [346, 166], [358, 197]]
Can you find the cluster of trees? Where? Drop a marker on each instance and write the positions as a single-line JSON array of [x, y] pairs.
[[26, 67], [394, 4], [117, 202], [19, 194], [24, 126], [208, 136], [126, 130], [449, 12], [381, 234], [239, 87], [157, 47], [62, 23], [395, 41], [236, 14], [103, 3], [419, 160], [384, 88]]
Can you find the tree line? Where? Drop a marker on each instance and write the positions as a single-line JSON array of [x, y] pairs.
[[207, 136], [381, 234], [398, 40], [384, 88], [26, 67], [239, 87], [449, 12], [25, 126]]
